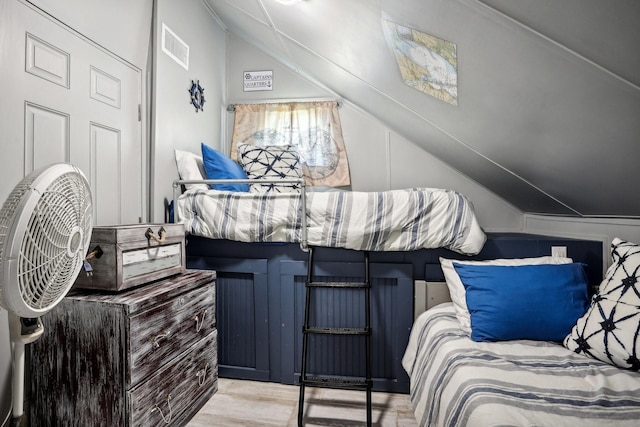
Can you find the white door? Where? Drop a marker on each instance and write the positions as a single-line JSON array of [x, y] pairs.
[[65, 99]]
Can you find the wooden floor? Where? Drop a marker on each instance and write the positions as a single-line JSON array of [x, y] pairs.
[[254, 403]]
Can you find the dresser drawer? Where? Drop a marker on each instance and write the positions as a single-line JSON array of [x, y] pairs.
[[163, 397], [163, 332], [95, 344]]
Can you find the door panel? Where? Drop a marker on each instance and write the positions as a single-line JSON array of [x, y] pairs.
[[105, 88], [105, 155], [46, 136], [242, 316], [46, 61], [69, 100]]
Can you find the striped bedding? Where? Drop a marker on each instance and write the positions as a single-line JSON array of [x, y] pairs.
[[459, 382], [397, 220]]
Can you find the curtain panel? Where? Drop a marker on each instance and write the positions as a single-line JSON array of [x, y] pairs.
[[312, 128]]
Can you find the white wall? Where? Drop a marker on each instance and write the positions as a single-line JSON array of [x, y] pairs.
[[175, 122], [5, 366], [122, 27], [380, 159], [287, 85]]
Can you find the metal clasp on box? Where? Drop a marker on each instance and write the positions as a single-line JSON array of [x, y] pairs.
[[86, 265]]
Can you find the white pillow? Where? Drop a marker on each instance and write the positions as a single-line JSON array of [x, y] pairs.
[[190, 167], [456, 288]]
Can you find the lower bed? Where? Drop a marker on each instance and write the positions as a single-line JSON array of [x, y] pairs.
[[455, 381]]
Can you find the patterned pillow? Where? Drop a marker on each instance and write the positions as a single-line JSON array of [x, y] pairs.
[[270, 162], [610, 329]]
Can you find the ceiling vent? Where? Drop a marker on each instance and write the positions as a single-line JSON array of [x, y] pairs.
[[173, 46]]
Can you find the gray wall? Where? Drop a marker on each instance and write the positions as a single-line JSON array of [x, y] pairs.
[[603, 229], [549, 92], [175, 122], [121, 26], [380, 159], [383, 159], [5, 366]]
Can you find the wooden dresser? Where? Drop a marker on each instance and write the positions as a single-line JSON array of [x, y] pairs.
[[143, 357]]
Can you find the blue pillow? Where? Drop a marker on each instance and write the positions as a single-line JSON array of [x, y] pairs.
[[219, 166], [537, 302]]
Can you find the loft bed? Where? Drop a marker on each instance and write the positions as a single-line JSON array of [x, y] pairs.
[[261, 267], [256, 242], [267, 200], [398, 220]]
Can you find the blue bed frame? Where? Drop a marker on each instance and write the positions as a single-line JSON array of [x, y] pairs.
[[260, 300]]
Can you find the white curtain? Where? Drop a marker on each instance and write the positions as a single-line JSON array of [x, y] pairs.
[[312, 128]]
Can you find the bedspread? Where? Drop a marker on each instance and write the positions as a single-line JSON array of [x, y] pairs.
[[458, 382], [396, 220]]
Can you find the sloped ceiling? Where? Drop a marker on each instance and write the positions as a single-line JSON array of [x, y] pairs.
[[548, 113]]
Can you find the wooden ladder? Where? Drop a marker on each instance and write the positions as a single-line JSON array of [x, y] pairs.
[[334, 381]]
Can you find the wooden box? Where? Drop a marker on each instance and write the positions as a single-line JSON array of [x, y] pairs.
[[124, 256], [143, 357]]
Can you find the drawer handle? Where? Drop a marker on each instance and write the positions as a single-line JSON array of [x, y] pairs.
[[160, 238], [202, 374], [155, 341], [166, 419], [200, 322]]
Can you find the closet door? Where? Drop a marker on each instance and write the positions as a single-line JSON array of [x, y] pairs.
[[66, 99], [242, 316]]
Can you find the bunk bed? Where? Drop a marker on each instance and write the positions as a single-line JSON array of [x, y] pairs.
[[257, 244]]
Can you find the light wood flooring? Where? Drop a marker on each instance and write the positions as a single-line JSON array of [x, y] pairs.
[[255, 403]]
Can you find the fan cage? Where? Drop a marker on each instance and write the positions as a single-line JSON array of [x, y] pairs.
[[46, 270], [7, 215], [53, 243]]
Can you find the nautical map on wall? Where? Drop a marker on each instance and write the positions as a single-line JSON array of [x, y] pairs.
[[427, 63]]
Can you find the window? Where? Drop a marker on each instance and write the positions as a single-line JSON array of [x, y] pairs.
[[312, 128]]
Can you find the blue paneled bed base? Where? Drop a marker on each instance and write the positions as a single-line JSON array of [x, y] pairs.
[[260, 301]]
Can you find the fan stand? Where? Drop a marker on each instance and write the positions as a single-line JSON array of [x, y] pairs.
[[21, 331]]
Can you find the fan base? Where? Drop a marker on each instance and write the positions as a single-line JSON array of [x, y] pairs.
[[18, 421]]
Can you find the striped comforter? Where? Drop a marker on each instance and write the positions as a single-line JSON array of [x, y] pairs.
[[398, 220], [458, 382]]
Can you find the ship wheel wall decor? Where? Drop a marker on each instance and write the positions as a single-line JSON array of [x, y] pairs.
[[197, 95]]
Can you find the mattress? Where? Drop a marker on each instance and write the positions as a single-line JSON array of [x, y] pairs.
[[455, 381], [397, 220]]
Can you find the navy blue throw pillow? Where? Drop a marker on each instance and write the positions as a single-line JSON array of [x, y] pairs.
[[537, 302]]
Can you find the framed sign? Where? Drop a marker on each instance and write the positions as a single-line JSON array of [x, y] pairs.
[[258, 80]]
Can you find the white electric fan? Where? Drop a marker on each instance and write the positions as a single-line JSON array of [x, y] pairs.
[[45, 230]]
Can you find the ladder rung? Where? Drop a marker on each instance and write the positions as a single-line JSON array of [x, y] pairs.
[[336, 331], [337, 285], [335, 382]]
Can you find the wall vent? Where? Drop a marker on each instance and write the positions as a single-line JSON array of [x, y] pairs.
[[173, 46]]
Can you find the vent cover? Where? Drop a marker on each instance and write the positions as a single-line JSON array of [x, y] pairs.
[[173, 46]]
